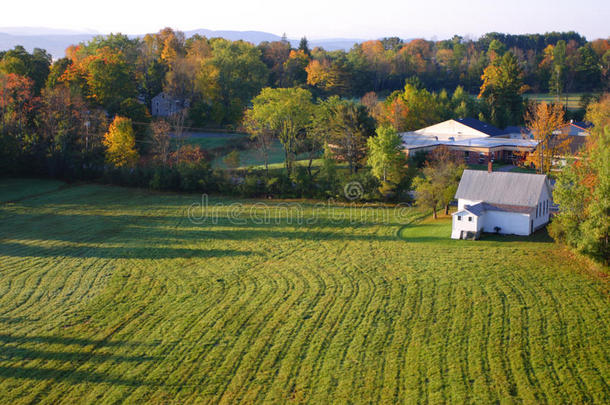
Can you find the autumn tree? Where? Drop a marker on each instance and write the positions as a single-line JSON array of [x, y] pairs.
[[71, 131], [411, 109], [17, 104], [120, 143], [17, 101], [161, 140], [393, 112], [330, 76], [545, 121], [371, 101], [104, 77], [582, 191], [294, 69]]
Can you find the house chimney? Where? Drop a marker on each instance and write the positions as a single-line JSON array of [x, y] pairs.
[[489, 166]]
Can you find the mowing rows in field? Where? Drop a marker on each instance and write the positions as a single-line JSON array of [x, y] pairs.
[[113, 295]]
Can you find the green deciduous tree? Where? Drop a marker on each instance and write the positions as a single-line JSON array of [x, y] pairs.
[[349, 128], [437, 185], [385, 155], [236, 74], [35, 65], [502, 88], [285, 112]]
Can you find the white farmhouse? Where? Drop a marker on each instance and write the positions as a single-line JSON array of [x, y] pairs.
[[500, 202]]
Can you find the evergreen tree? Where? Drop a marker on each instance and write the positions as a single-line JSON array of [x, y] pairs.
[[304, 46]]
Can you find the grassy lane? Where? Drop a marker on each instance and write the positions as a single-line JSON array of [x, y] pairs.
[[113, 295]]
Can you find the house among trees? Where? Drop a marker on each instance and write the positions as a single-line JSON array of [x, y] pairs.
[[163, 105], [500, 202], [474, 141], [578, 133]]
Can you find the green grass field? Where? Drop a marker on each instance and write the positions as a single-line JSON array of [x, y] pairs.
[[571, 100], [253, 157], [112, 295], [214, 141]]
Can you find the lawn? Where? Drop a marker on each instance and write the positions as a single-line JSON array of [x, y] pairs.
[[113, 295], [253, 157], [211, 141], [571, 100]]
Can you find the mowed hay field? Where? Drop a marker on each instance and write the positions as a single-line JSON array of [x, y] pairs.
[[113, 295]]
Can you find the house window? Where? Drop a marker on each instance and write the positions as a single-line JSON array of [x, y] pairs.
[[459, 217], [469, 219]]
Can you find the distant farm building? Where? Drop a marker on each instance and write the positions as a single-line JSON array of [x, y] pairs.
[[500, 202], [479, 143], [474, 141], [163, 105]]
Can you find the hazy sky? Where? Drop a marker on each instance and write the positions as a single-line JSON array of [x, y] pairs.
[[318, 18]]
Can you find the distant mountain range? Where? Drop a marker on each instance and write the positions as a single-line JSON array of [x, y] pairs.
[[55, 41]]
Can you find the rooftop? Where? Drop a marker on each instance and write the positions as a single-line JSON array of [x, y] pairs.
[[413, 141], [480, 208], [481, 126], [501, 189]]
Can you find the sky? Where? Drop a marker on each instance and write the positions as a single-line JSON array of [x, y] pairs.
[[431, 19]]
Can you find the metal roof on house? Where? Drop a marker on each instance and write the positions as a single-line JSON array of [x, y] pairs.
[[414, 141], [495, 142], [481, 126], [479, 209], [581, 124], [515, 129], [505, 188], [476, 209]]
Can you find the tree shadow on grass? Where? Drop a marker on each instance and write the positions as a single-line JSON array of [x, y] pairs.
[[69, 375], [20, 353], [14, 355], [150, 252], [65, 340]]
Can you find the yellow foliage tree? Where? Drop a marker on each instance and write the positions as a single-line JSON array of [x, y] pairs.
[[319, 74], [545, 121], [120, 143]]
